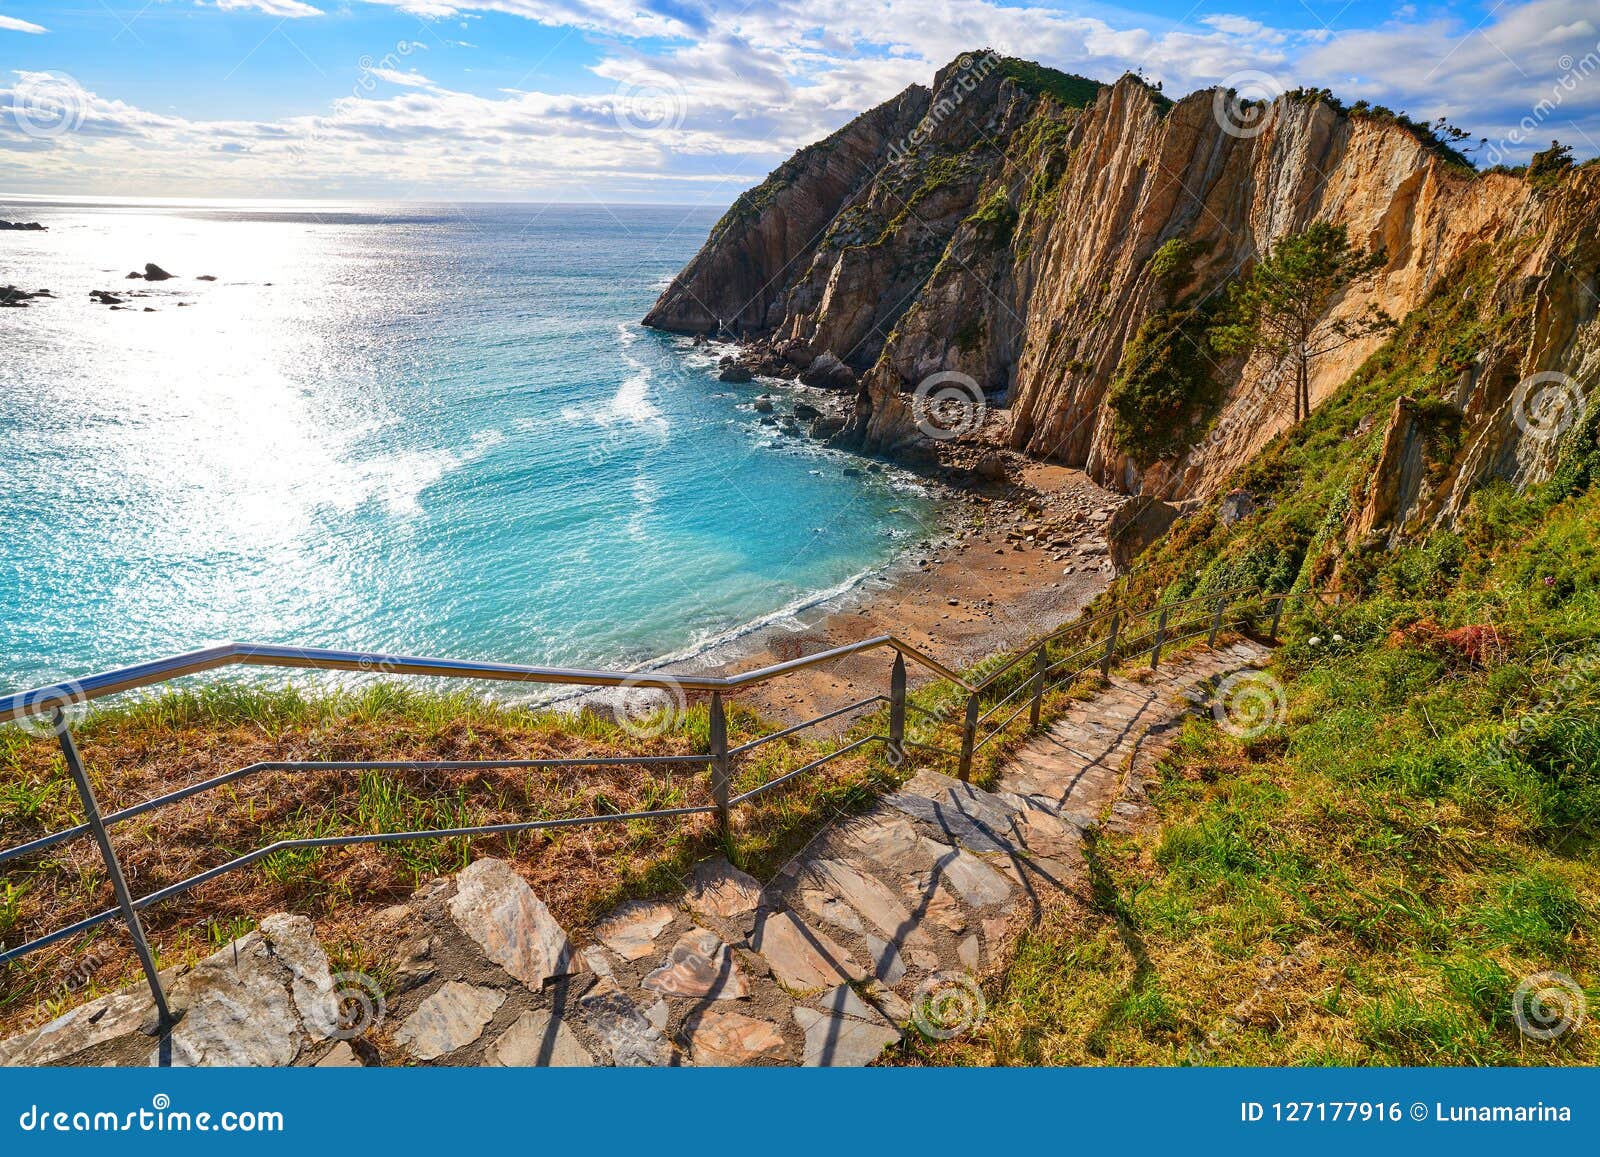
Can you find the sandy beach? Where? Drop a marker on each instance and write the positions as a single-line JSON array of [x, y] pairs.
[[1018, 558]]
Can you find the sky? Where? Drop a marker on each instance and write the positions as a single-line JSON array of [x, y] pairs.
[[681, 101]]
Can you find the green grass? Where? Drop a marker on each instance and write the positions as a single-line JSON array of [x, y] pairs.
[[143, 749], [1370, 880], [1069, 89]]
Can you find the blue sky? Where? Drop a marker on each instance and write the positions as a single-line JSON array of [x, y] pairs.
[[676, 100]]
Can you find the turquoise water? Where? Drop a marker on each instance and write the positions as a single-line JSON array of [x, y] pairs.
[[428, 429]]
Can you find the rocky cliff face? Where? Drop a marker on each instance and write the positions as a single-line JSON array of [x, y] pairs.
[[1031, 231]]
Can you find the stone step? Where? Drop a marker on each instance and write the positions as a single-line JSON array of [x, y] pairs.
[[823, 965]]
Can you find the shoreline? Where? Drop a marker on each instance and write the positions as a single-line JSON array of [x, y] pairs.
[[1012, 563]]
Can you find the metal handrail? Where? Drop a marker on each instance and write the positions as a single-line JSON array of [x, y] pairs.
[[42, 700], [54, 700]]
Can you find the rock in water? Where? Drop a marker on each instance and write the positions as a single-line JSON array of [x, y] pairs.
[[13, 297], [154, 272], [825, 426]]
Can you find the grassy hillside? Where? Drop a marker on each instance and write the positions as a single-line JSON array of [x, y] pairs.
[[1369, 881], [137, 752]]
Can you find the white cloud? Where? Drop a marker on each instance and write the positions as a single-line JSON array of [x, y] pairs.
[[1529, 74], [1244, 27], [404, 79], [288, 9], [689, 101], [13, 24]]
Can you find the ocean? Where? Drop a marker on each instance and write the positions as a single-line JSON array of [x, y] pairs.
[[427, 429]]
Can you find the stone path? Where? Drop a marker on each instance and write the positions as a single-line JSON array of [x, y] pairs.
[[884, 920]]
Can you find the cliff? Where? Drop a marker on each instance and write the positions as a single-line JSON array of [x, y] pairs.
[[1048, 238]]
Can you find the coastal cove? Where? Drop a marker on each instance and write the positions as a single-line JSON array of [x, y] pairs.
[[425, 429]]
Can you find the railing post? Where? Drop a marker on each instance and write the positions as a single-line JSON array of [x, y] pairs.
[[1111, 646], [721, 769], [119, 884], [1161, 637], [897, 710], [1040, 662], [1277, 614], [1216, 621], [969, 737]]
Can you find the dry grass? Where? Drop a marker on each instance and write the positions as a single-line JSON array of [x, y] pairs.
[[144, 751]]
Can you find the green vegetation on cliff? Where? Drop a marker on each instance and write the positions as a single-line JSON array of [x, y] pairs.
[[1372, 878], [1069, 89], [1164, 391]]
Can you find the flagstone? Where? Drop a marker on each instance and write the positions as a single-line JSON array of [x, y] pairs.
[[495, 907], [725, 1038], [450, 1019], [630, 930], [630, 1038], [536, 1038], [841, 1041], [720, 889], [699, 965], [801, 957]]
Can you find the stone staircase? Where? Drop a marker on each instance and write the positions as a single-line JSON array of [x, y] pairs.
[[885, 920]]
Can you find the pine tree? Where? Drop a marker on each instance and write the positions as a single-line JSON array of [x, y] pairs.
[[1280, 306]]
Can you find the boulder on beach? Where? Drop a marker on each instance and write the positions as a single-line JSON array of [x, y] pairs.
[[154, 272], [991, 467]]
